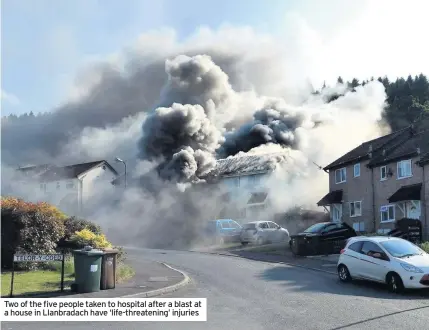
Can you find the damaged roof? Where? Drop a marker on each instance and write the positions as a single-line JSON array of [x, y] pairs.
[[374, 148], [247, 165], [53, 173]]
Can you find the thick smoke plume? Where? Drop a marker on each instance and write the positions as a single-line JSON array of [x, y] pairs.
[[172, 109]]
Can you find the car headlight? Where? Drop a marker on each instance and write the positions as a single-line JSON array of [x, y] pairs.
[[411, 269]]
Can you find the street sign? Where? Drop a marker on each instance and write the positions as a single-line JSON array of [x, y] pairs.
[[37, 257]]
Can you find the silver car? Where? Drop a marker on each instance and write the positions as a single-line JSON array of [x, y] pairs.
[[263, 232]]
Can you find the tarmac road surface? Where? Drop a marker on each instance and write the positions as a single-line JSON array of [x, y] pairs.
[[248, 294]]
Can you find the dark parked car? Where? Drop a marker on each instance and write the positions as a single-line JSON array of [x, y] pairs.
[[222, 231], [321, 239]]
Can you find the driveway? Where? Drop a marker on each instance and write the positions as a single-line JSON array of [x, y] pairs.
[[248, 294]]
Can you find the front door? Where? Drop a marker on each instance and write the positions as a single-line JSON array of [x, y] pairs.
[[337, 212], [413, 209]]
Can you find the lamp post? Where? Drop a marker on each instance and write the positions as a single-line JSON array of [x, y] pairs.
[[119, 160]]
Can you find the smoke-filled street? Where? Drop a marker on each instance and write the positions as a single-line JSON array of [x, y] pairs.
[[173, 128], [260, 296]]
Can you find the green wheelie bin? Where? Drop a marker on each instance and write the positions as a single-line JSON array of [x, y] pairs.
[[87, 269]]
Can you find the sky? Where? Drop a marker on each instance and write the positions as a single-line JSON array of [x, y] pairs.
[[46, 42]]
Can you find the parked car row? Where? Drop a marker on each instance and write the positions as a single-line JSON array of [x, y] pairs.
[[256, 232], [394, 261]]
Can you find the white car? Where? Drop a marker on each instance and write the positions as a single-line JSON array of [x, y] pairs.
[[262, 232], [391, 260]]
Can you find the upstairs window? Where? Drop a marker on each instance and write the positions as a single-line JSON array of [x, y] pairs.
[[404, 169], [383, 173], [340, 175], [356, 170]]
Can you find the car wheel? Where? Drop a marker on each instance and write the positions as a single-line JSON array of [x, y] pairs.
[[394, 283], [344, 274]]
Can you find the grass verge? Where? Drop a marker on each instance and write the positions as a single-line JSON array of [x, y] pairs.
[[48, 279], [124, 272], [33, 282]]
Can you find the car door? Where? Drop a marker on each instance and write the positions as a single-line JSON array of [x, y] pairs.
[[373, 268], [329, 237], [273, 232], [225, 228], [264, 230], [335, 235], [352, 259], [235, 227]]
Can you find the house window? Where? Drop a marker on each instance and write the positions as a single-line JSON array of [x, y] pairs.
[[356, 170], [359, 226], [58, 185], [383, 173], [404, 169], [355, 209], [70, 185], [388, 213], [340, 175], [43, 186], [236, 181]]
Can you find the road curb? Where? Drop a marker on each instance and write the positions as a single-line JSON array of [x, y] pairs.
[[270, 262], [168, 289]]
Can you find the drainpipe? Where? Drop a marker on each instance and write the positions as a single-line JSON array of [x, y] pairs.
[[373, 199], [80, 196], [423, 204]]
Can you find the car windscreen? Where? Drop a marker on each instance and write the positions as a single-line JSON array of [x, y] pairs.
[[401, 248], [249, 226], [315, 228]]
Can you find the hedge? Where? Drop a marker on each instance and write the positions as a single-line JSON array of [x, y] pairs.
[[36, 228], [28, 232]]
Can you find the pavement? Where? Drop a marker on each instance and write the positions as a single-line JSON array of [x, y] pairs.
[[262, 295]]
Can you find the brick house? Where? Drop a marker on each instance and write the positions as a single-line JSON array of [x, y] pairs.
[[381, 181]]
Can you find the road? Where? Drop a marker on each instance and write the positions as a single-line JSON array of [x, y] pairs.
[[253, 295]]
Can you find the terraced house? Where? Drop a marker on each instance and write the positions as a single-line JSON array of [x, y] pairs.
[[381, 181]]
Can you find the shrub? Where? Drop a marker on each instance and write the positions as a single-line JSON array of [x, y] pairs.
[[29, 231], [87, 237], [44, 208], [73, 224], [425, 246]]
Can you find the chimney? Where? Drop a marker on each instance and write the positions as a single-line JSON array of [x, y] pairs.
[[370, 148], [418, 150], [384, 152]]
